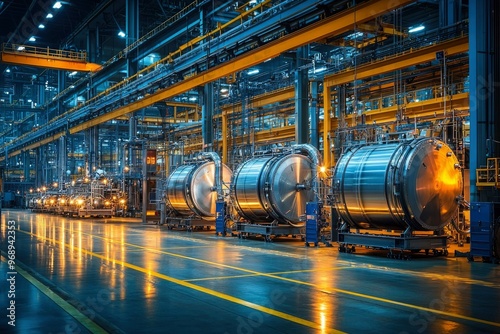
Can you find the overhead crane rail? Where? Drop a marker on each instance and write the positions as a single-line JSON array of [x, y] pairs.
[[47, 58], [110, 104], [452, 40]]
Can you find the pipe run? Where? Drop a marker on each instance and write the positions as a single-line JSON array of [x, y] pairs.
[[313, 153], [218, 171]]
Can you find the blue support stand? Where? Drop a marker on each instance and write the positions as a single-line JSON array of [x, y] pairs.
[[220, 218], [313, 212]]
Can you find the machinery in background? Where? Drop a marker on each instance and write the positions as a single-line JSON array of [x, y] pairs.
[[270, 193], [485, 231], [192, 191], [412, 188]]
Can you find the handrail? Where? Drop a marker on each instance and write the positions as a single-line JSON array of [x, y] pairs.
[[44, 52], [162, 62]]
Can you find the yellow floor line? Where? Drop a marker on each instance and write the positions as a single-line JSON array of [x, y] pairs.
[[330, 291], [260, 274], [67, 307], [211, 292]]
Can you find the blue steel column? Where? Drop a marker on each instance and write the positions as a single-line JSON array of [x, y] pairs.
[[92, 45], [484, 76], [301, 98], [61, 83], [207, 114], [314, 114], [449, 12]]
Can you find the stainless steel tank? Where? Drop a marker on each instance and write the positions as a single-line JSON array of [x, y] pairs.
[[415, 184], [191, 189], [273, 188]]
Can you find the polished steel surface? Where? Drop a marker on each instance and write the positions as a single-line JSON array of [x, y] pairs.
[[191, 188], [247, 189], [273, 188], [202, 188], [132, 278], [290, 179], [177, 185], [393, 186]]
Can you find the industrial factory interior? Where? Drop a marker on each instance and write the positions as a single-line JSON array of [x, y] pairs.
[[256, 166]]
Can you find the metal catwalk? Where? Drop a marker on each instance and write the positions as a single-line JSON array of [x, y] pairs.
[[84, 275]]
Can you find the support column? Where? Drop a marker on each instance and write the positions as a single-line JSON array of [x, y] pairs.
[[62, 162], [39, 180], [207, 112], [61, 85], [93, 149], [484, 76], [132, 32], [224, 136], [326, 126], [449, 12], [92, 45], [26, 165], [314, 113], [301, 98]]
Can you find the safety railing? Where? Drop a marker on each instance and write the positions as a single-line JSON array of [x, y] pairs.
[[44, 52]]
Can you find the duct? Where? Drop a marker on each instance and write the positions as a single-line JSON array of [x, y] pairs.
[[218, 171]]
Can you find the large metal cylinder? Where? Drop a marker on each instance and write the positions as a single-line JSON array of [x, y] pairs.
[[191, 189], [273, 188], [414, 184]]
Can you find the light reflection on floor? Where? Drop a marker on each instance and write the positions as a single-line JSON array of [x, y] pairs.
[[88, 257]]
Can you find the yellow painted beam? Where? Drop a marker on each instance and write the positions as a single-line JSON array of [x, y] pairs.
[[263, 99], [183, 104], [423, 109], [39, 60], [35, 145], [330, 26], [389, 64]]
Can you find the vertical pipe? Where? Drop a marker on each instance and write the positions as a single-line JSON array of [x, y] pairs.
[[314, 113], [301, 97], [326, 126], [62, 161], [207, 111], [224, 136]]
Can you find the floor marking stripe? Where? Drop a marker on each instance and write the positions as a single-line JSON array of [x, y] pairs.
[[329, 291], [260, 274], [207, 291], [67, 307]]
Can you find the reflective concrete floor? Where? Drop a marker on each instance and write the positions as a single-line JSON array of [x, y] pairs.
[[96, 276]]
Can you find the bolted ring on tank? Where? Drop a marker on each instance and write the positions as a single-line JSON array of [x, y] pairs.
[[270, 188], [191, 189], [414, 184]]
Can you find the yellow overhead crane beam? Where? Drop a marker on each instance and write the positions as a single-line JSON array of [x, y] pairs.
[[330, 26], [37, 144], [47, 58]]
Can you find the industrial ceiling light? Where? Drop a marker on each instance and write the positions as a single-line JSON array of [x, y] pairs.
[[254, 71], [416, 29], [41, 26], [57, 5], [7, 70], [20, 48], [49, 16], [32, 39], [121, 34]]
